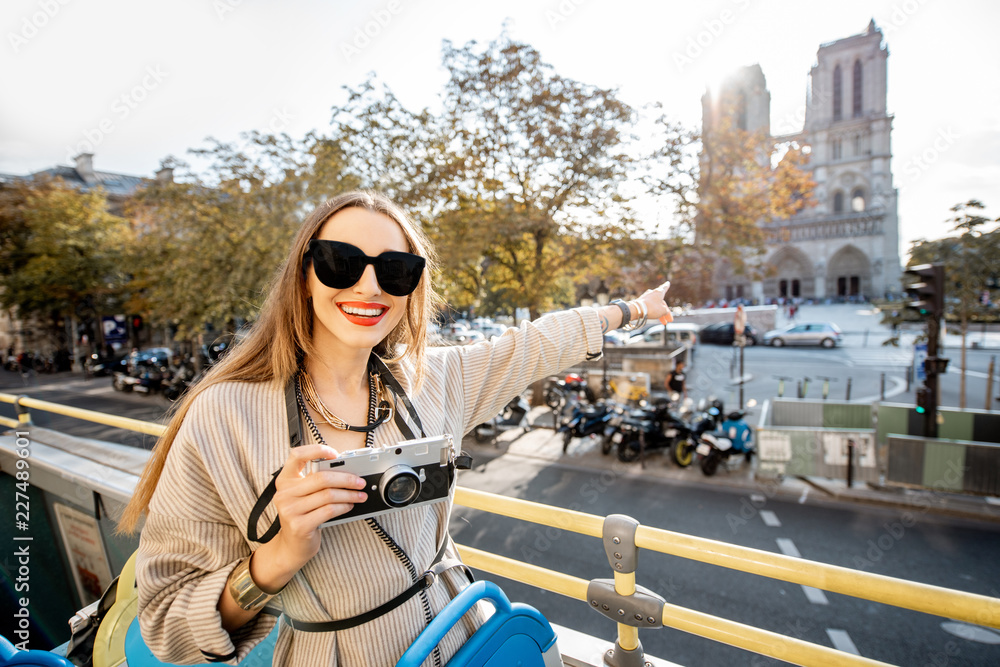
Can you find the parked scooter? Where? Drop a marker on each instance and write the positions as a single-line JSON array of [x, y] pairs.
[[559, 393], [655, 428], [585, 420], [513, 416], [733, 438]]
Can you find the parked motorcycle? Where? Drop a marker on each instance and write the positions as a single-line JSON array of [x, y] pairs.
[[733, 438], [177, 381], [585, 420], [513, 416], [143, 371], [654, 428], [558, 393]]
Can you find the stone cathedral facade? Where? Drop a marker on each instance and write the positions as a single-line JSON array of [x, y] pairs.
[[846, 246]]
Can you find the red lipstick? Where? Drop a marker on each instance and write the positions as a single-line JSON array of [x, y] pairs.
[[357, 316]]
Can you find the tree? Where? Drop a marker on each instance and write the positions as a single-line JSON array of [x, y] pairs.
[[208, 247], [61, 254], [725, 184], [537, 167], [518, 180], [971, 262]]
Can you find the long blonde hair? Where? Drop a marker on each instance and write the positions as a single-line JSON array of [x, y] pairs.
[[282, 335]]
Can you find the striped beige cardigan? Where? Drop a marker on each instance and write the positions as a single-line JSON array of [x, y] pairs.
[[232, 440]]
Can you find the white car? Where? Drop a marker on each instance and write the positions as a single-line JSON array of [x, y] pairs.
[[824, 334]]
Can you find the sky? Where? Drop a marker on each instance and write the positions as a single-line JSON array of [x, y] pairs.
[[135, 82]]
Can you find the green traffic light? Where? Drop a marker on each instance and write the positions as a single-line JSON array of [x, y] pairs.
[[921, 410]]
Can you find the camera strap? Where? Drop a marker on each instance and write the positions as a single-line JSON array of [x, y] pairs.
[[439, 565], [295, 439]]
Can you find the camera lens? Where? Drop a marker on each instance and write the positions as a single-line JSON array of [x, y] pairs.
[[400, 486]]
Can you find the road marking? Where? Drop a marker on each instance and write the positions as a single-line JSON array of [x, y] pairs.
[[993, 500], [805, 493], [788, 547], [814, 595], [973, 633], [757, 498], [842, 641], [770, 518]]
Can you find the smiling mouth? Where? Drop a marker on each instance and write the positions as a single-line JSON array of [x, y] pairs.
[[355, 311]]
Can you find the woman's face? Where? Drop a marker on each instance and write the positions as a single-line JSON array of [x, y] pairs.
[[360, 316]]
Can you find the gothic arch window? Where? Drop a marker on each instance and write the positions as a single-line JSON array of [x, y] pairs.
[[858, 200], [838, 93], [837, 149], [856, 97], [838, 202]]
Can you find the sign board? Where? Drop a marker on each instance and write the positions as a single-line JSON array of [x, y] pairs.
[[835, 449], [81, 538], [919, 357], [114, 328]]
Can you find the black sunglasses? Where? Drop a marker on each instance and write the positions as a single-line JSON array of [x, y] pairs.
[[340, 265]]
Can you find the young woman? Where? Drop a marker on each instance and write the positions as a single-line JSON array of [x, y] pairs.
[[341, 334]]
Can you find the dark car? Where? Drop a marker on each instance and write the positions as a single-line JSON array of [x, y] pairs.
[[723, 333]]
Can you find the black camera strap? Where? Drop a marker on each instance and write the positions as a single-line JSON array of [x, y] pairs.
[[462, 462]]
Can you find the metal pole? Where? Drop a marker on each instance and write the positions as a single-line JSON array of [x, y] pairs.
[[881, 391], [850, 463], [865, 344], [848, 397], [798, 389], [989, 382], [742, 345]]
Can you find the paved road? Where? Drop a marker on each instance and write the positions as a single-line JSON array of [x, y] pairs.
[[950, 553]]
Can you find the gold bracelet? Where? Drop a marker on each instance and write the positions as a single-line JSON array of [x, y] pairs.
[[245, 592]]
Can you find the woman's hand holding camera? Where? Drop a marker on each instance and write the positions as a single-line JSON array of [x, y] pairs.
[[304, 502]]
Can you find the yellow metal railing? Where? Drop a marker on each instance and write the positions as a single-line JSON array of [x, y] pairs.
[[968, 607]]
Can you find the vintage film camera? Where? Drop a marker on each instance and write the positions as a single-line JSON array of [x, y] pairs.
[[413, 472]]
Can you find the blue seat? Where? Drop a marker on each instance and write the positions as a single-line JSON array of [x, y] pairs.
[[139, 655], [10, 655], [516, 634]]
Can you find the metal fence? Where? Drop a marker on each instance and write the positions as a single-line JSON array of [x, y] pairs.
[[943, 465], [810, 452]]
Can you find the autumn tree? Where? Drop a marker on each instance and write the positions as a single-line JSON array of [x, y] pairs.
[[209, 245], [971, 259], [518, 180], [61, 255], [725, 184]]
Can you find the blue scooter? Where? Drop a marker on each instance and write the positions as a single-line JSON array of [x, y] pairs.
[[733, 437], [585, 420]]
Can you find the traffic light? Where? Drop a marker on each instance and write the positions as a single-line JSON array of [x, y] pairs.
[[926, 290], [137, 323], [923, 399]]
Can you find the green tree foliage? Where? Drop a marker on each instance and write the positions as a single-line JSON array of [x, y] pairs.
[[518, 179], [61, 252], [971, 261], [208, 247]]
